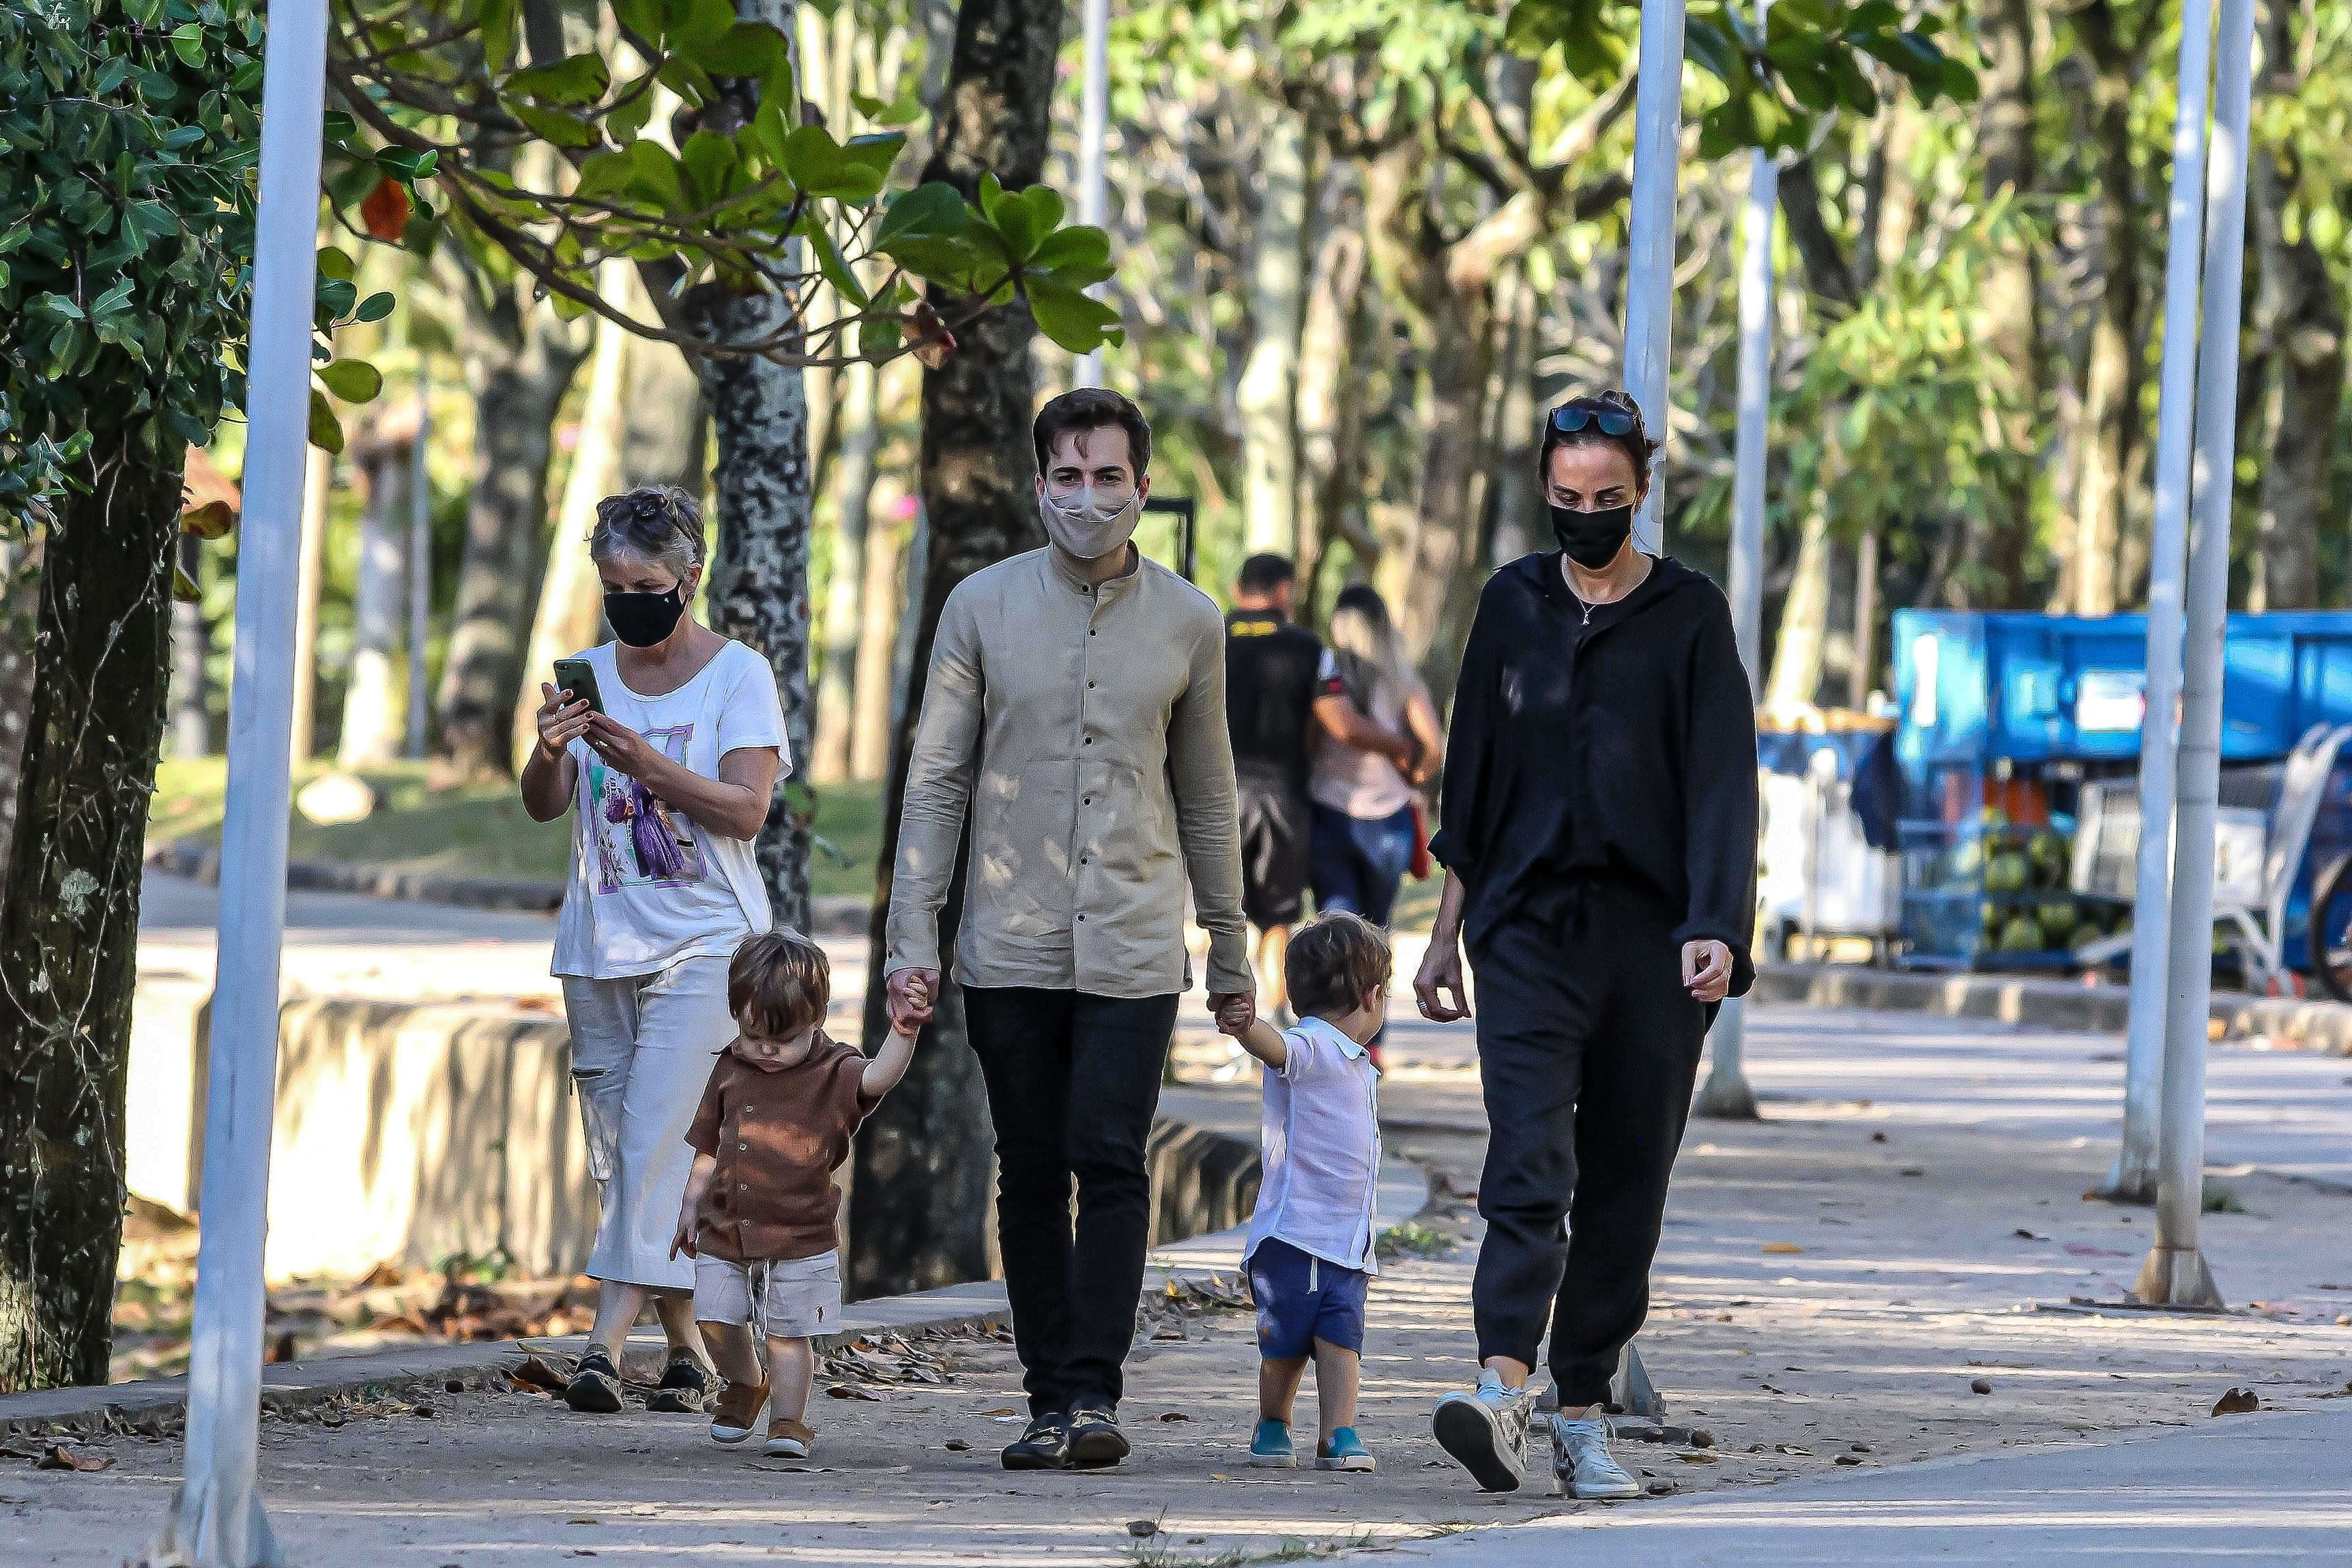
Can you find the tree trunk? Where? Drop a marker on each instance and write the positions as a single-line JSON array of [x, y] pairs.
[[318, 488], [1268, 396], [1796, 675], [845, 610], [372, 728], [192, 638], [2300, 323], [69, 919], [1995, 556], [878, 635], [1330, 409], [1866, 619], [20, 605], [666, 437], [918, 1206], [518, 362], [2111, 418], [1518, 503], [571, 612]]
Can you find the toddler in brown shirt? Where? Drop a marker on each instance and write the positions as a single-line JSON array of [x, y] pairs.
[[758, 1213]]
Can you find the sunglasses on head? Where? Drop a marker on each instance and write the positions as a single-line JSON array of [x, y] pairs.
[[1570, 417]]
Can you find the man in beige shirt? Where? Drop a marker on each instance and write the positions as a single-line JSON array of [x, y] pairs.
[[1075, 707]]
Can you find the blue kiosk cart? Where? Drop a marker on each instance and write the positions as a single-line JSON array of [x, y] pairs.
[[2011, 723]]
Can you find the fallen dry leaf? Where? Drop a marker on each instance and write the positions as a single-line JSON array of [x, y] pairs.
[[87, 1461], [2237, 1401], [1143, 1529], [1779, 1248]]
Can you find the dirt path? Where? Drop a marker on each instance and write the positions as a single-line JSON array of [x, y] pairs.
[[1861, 1347]]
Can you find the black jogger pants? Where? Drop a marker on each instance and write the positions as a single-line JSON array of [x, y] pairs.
[[1073, 1083], [1588, 1045]]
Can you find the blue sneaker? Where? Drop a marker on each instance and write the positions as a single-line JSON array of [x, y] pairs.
[[1270, 1449], [1345, 1451]]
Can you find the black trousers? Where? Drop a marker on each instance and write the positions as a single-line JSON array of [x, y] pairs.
[[1073, 1083], [1588, 1047]]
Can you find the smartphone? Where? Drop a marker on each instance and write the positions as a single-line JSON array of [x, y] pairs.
[[578, 677]]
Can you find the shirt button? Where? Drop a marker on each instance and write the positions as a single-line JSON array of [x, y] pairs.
[[1090, 739], [1082, 917], [742, 1145]]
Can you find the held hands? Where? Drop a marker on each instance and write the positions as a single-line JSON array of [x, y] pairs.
[[561, 721], [910, 1004], [1707, 970], [1234, 1011]]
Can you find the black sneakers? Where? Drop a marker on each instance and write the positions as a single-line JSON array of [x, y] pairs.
[[1044, 1446], [595, 1385], [684, 1387], [1096, 1440]]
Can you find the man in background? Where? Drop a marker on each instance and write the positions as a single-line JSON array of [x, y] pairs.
[[1273, 671], [1280, 682]]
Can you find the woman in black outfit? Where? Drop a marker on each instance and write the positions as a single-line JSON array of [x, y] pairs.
[[1598, 835]]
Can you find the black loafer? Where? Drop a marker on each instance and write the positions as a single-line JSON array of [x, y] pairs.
[[1044, 1446], [1096, 1440], [684, 1387], [595, 1385]]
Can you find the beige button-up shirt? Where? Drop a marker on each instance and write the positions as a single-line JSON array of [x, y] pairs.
[[1084, 727]]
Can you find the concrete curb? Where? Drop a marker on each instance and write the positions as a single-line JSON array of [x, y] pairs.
[[154, 1407], [841, 915], [2042, 1003], [1203, 1180]]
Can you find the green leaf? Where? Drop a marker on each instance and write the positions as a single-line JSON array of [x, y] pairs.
[[829, 259], [572, 81], [626, 122], [933, 208], [498, 33], [188, 43], [353, 380], [710, 162], [744, 49], [374, 308], [875, 150], [1074, 256], [655, 173], [336, 296], [880, 336], [556, 127], [643, 17], [326, 430], [704, 22], [813, 157], [1072, 320], [334, 262]]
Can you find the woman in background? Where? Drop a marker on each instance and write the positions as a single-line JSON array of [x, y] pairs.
[[1364, 834]]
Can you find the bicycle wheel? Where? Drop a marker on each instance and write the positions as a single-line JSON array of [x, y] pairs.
[[2328, 942]]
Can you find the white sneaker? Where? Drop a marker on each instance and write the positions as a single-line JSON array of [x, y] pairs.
[[1486, 1431], [1579, 1458]]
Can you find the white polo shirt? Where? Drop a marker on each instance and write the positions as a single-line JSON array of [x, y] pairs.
[[1320, 1142]]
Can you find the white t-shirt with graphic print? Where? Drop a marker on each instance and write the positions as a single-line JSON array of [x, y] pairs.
[[650, 886]]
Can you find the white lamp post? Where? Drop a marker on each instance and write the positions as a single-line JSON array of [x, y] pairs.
[[216, 1520]]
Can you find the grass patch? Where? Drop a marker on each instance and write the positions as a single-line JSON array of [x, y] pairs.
[[1410, 1241], [2220, 1199], [475, 830], [1292, 1549]]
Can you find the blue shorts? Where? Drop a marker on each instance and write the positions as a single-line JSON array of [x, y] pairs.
[[1302, 1299]]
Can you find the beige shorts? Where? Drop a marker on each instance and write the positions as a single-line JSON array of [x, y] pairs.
[[785, 1298]]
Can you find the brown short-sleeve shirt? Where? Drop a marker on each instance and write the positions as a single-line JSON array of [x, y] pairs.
[[779, 1135]]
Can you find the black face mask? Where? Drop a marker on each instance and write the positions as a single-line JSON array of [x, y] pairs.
[[642, 620], [1592, 538]]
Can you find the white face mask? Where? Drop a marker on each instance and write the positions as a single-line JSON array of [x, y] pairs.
[[1089, 529]]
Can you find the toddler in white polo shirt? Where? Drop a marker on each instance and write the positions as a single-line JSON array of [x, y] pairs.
[[1310, 1243]]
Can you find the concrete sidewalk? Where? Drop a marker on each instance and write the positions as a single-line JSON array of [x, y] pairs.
[[2250, 1488]]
